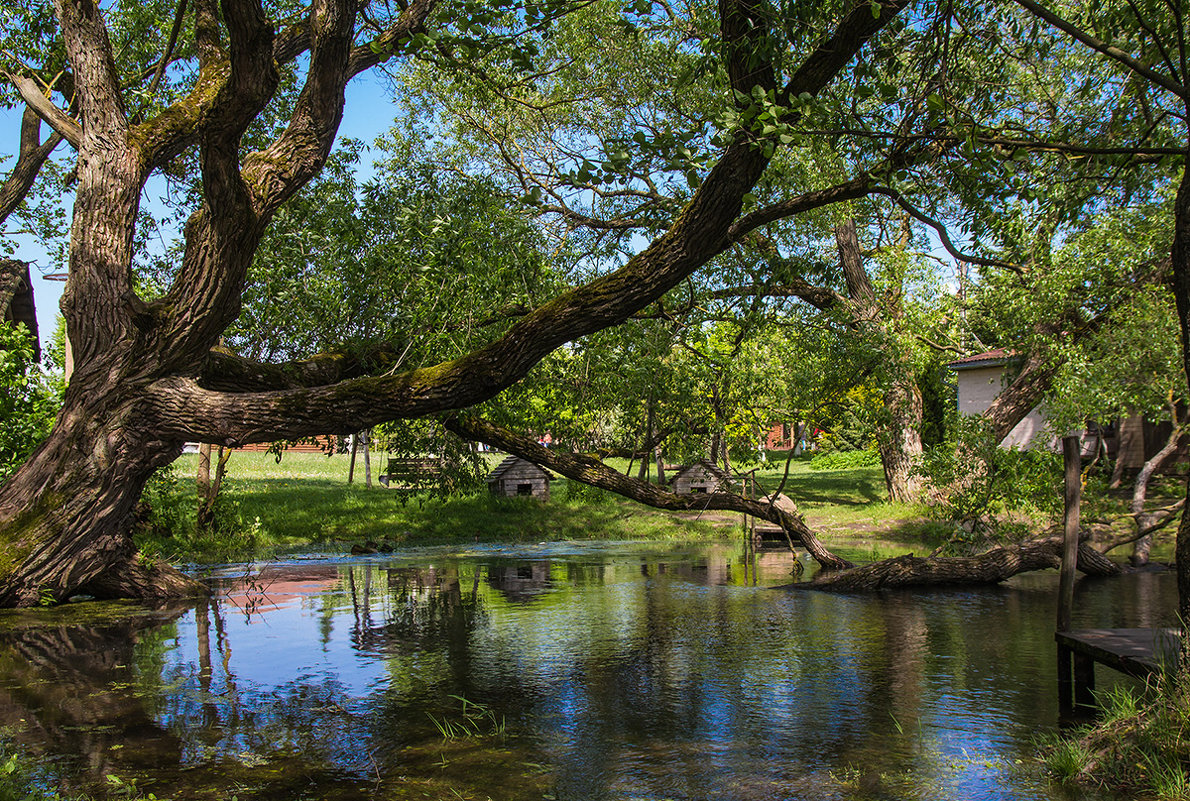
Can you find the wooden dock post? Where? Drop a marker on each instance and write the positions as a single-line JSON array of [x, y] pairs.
[[1076, 676]]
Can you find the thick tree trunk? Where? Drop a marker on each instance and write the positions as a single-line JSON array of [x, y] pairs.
[[900, 441], [65, 515], [1180, 259], [992, 567]]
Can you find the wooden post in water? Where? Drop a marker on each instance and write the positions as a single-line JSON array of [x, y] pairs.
[[1071, 459]]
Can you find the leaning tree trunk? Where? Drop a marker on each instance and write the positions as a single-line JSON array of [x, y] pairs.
[[65, 515]]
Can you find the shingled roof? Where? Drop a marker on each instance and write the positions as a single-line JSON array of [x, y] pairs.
[[511, 461], [989, 358]]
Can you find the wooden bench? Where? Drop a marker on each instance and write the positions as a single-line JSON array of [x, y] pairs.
[[410, 474]]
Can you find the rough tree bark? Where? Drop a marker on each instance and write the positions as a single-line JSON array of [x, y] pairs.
[[595, 473], [1181, 291], [899, 439], [144, 373], [992, 567]]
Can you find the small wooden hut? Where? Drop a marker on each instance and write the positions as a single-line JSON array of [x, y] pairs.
[[516, 476], [700, 477]]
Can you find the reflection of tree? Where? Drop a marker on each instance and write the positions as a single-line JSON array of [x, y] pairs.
[[666, 684], [66, 691]]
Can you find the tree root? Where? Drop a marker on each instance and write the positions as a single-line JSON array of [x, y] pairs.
[[144, 579]]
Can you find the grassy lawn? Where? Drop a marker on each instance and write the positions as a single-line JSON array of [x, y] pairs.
[[305, 502]]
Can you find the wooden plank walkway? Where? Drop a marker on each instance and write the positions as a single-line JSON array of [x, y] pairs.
[[1137, 652]]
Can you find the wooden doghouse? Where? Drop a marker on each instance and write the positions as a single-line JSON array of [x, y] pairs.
[[516, 476], [702, 476]]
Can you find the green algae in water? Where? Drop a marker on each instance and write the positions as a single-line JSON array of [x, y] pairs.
[[88, 613]]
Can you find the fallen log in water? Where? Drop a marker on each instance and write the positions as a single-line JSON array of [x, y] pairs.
[[992, 567]]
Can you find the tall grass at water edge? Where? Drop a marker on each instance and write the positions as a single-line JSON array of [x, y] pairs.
[[1139, 746]]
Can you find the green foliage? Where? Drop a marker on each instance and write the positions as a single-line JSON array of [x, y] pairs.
[[412, 268], [844, 460], [986, 489], [458, 468], [165, 521], [1138, 745], [29, 398], [167, 508], [17, 781]]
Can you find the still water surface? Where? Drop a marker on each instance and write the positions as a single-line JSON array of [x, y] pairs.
[[560, 671]]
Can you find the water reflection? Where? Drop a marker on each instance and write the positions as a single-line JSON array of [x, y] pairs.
[[603, 673]]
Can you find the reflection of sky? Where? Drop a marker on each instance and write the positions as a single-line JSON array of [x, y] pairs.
[[630, 685]]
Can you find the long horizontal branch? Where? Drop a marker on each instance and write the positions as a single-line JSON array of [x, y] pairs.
[[700, 232], [595, 473]]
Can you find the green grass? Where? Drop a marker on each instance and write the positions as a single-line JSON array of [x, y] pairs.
[[305, 503], [1138, 746], [851, 504]]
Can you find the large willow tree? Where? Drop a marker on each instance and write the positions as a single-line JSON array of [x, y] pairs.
[[147, 373]]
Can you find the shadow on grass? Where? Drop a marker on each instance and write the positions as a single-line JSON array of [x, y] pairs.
[[852, 487], [293, 512]]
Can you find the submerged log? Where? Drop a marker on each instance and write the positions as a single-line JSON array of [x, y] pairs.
[[992, 567]]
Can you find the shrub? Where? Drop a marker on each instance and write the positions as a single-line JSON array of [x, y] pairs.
[[29, 398], [844, 460], [982, 487]]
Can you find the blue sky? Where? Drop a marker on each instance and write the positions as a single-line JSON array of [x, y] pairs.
[[369, 113]]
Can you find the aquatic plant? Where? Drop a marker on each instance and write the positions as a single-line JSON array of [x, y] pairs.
[[474, 720]]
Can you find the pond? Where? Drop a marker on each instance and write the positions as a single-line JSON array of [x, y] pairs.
[[572, 672]]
